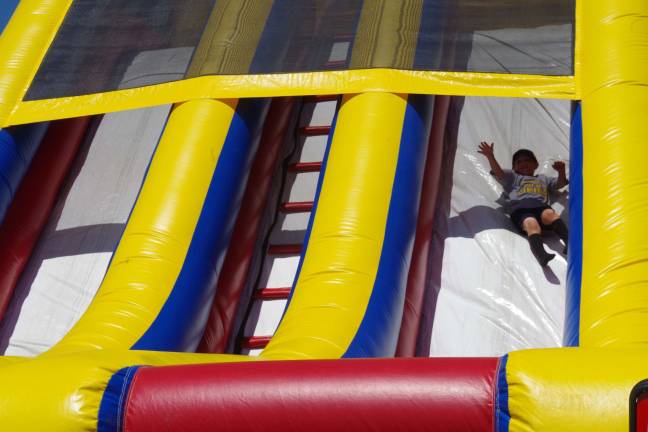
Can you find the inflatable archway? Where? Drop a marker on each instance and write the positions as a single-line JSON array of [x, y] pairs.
[[173, 244]]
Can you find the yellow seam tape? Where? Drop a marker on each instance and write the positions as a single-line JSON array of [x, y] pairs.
[[23, 45]]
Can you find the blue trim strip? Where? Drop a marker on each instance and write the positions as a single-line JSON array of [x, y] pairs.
[[181, 321], [575, 259], [311, 219], [7, 9], [18, 146], [378, 333], [113, 401], [502, 414]]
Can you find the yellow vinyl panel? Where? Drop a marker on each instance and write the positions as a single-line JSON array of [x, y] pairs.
[[341, 261], [152, 250], [230, 38], [62, 393], [573, 389], [387, 34], [614, 81], [23, 44]]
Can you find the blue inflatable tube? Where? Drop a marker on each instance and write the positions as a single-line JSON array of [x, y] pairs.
[[7, 9], [575, 261], [17, 148]]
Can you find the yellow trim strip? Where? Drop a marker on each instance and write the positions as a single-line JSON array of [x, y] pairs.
[[341, 261], [23, 45], [578, 45], [298, 84], [614, 296]]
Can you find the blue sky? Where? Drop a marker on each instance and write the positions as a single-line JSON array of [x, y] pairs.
[[6, 9]]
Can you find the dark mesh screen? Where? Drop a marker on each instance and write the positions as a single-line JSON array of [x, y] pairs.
[[112, 44], [100, 40]]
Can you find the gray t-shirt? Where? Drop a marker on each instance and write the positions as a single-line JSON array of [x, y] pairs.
[[527, 191]]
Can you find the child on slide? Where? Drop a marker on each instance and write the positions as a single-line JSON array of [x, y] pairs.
[[528, 196]]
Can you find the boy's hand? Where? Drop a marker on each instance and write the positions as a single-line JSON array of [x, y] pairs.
[[559, 166], [486, 150]]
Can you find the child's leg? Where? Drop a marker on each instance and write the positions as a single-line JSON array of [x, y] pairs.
[[552, 220], [533, 230]]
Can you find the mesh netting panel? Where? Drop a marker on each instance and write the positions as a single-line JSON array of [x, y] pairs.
[[100, 40], [116, 44]]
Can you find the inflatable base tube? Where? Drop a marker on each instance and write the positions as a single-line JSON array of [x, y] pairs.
[[571, 389], [62, 393], [441, 395]]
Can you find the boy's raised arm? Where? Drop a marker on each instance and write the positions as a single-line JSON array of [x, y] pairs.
[[489, 152]]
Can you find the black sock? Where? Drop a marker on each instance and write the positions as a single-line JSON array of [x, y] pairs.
[[539, 251], [560, 228]]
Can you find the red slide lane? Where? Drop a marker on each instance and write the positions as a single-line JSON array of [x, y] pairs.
[[421, 394], [412, 309], [236, 266], [34, 200]]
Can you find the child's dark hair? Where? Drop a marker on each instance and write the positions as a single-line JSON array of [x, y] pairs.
[[524, 152]]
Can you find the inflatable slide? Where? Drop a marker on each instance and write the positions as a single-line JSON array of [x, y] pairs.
[[273, 215]]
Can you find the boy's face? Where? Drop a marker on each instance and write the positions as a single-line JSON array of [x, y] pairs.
[[525, 165]]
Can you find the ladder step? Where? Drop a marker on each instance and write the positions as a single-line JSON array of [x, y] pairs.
[[344, 37], [335, 63], [255, 342], [285, 249], [297, 207], [323, 98], [303, 167], [314, 130], [272, 293]]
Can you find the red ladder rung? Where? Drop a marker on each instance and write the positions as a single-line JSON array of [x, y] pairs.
[[324, 98], [305, 167], [285, 249], [297, 207], [255, 342], [314, 130], [272, 293], [335, 63]]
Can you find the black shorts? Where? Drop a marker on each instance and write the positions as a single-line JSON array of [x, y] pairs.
[[519, 215]]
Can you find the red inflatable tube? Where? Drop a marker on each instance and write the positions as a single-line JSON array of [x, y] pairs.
[[34, 200], [418, 394], [416, 278], [236, 265]]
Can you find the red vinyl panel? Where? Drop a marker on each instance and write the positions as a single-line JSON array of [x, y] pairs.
[[34, 200], [236, 266], [415, 394], [414, 296], [642, 413]]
